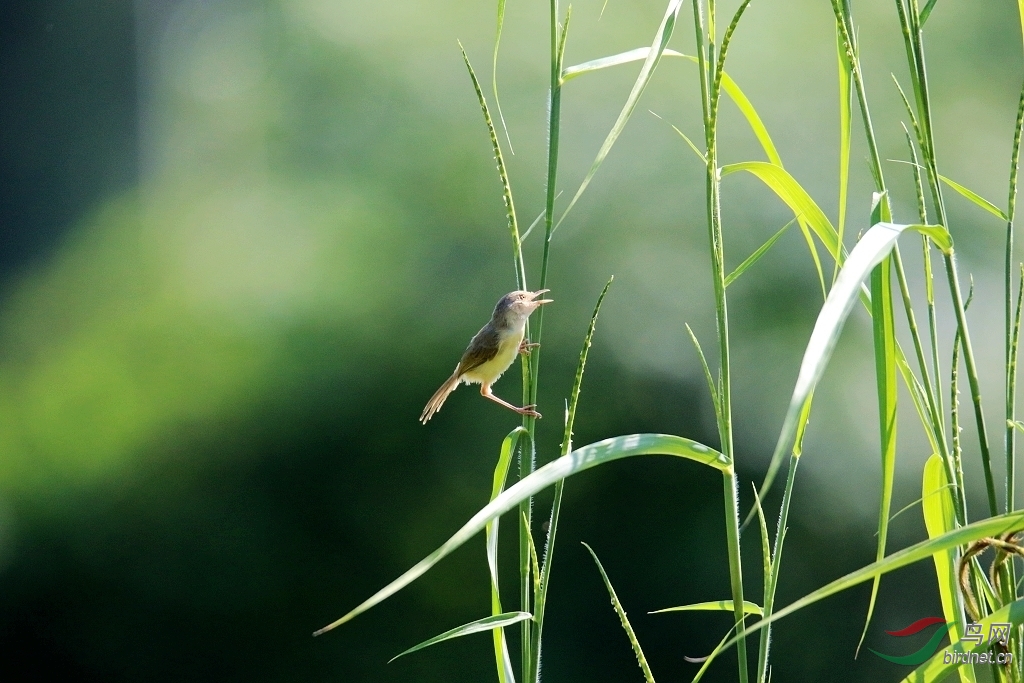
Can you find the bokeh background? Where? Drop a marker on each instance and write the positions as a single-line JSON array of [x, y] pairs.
[[241, 243]]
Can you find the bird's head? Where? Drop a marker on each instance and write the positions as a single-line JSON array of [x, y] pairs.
[[519, 305]]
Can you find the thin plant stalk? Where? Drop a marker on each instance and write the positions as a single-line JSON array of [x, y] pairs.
[[710, 68], [531, 631]]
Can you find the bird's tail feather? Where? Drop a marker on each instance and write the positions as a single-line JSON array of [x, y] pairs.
[[437, 400]]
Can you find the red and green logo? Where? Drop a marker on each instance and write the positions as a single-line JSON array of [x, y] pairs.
[[927, 650]]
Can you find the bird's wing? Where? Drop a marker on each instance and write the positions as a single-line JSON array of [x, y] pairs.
[[482, 348]]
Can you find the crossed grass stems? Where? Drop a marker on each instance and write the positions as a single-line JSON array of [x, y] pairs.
[[866, 274]]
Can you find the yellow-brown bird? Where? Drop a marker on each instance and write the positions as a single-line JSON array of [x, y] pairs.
[[492, 350]]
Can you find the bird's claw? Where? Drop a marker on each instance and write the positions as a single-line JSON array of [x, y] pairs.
[[525, 347], [529, 411]]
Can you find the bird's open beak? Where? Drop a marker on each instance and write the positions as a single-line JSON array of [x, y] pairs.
[[534, 295]]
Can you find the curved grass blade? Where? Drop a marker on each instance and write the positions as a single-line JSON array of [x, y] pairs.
[[661, 38], [937, 669], [975, 197], [845, 118], [939, 517], [640, 53], [496, 621], [874, 246], [707, 373], [761, 251], [993, 526], [793, 194], [494, 73], [883, 325], [580, 460], [728, 85], [637, 650], [714, 606], [501, 655]]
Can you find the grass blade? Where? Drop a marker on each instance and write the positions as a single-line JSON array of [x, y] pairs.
[[936, 669], [992, 526], [501, 655], [975, 197], [497, 621], [494, 73], [874, 246], [661, 38], [939, 518], [761, 251], [793, 194], [640, 53], [580, 460], [637, 650], [707, 373], [713, 606], [845, 118]]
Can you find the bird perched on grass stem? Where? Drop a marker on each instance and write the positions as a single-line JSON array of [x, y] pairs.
[[492, 350]]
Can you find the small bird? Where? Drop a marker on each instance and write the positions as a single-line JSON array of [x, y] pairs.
[[492, 350]]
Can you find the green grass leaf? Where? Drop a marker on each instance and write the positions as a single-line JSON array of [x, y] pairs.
[[793, 194], [935, 669], [716, 605], [874, 246], [580, 460], [661, 38], [637, 650], [883, 325], [640, 53], [939, 518], [993, 526], [501, 656], [975, 197], [761, 251], [497, 621]]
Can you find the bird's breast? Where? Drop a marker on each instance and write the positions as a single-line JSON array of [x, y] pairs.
[[489, 371]]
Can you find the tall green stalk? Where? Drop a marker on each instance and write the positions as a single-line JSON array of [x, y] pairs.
[[711, 68], [532, 630]]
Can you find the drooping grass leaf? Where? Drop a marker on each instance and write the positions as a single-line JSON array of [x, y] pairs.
[[790, 191], [761, 251], [939, 518], [497, 621], [937, 669], [883, 325], [661, 38], [501, 656], [580, 460], [707, 373], [975, 197], [637, 650], [869, 251], [494, 73], [992, 526], [714, 606], [571, 72]]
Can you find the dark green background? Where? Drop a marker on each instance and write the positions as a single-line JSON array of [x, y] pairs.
[[241, 243]]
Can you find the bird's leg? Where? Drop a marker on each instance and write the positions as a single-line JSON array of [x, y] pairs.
[[526, 346], [485, 391]]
